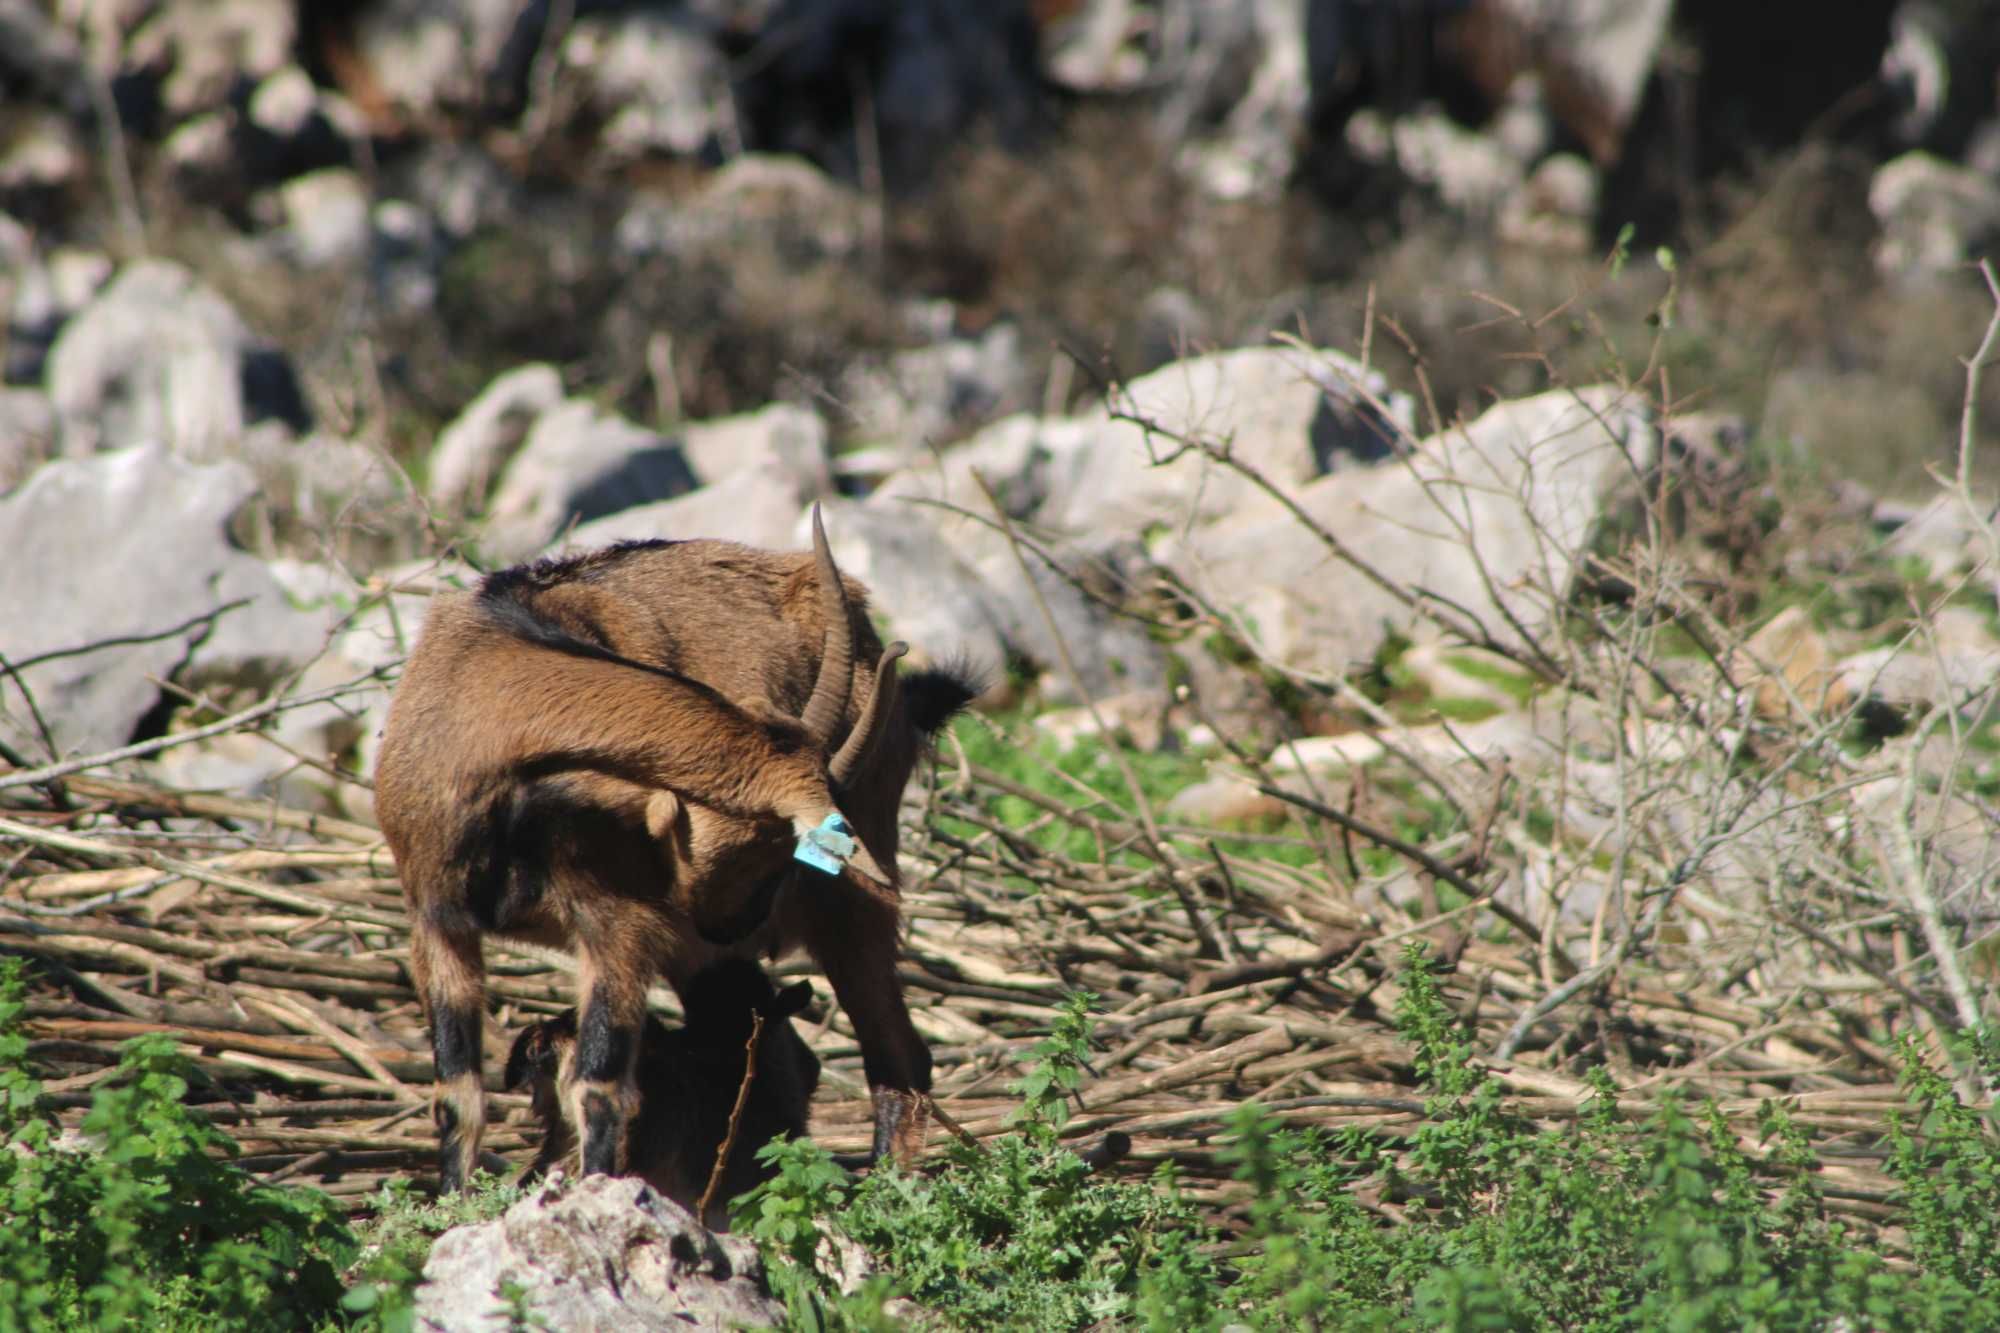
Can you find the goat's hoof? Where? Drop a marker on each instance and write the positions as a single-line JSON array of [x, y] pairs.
[[902, 1125]]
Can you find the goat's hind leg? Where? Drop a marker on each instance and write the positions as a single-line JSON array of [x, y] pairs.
[[450, 977], [614, 965]]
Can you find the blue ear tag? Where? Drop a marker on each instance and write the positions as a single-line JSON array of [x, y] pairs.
[[827, 848]]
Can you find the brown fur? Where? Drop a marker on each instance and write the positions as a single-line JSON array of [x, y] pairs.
[[605, 754], [688, 1081]]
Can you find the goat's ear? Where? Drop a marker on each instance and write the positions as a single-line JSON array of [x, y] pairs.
[[791, 1000], [529, 1057]]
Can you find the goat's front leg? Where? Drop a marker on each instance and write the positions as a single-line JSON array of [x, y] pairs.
[[614, 965], [851, 933]]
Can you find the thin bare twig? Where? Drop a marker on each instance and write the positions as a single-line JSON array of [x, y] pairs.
[[141, 749], [728, 1144]]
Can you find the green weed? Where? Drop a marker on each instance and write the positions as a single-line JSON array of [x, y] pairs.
[[147, 1224], [1608, 1223], [1016, 1234]]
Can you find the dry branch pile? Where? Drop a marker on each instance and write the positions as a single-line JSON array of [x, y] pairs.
[[272, 943]]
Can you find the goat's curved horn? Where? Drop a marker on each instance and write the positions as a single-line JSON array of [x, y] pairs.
[[835, 685], [874, 716]]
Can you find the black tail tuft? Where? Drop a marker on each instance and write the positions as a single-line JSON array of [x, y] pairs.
[[937, 694]]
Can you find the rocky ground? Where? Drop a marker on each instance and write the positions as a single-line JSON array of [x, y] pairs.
[[307, 294], [1282, 398]]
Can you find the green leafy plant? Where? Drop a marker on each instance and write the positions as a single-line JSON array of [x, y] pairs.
[[1476, 1219], [1943, 1159], [146, 1222], [788, 1216], [1046, 1090], [1018, 1233]]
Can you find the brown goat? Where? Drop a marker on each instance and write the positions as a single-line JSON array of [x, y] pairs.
[[688, 1081], [613, 753]]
